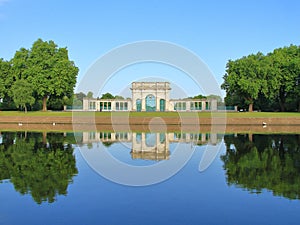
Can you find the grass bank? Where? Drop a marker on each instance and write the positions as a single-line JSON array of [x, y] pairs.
[[153, 114]]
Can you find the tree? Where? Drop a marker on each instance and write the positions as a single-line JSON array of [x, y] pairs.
[[270, 81], [19, 65], [5, 78], [217, 97], [107, 96], [199, 97], [22, 93], [119, 97], [50, 70], [90, 94], [284, 70], [80, 96], [246, 77]]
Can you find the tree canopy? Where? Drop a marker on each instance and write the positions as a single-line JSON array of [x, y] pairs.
[[266, 82], [107, 96], [46, 67], [22, 93]]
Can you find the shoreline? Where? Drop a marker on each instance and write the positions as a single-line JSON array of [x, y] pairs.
[[155, 121], [288, 129], [120, 120]]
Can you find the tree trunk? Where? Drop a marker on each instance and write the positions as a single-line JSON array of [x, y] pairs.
[[25, 108], [282, 100], [282, 106], [299, 106], [250, 137], [65, 107], [45, 103], [250, 109], [44, 137]]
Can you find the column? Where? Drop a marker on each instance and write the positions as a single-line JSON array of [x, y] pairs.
[[113, 105], [143, 98], [188, 106], [157, 104], [203, 105]]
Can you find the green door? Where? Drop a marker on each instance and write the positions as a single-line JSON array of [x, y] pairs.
[[150, 103], [162, 105], [138, 105]]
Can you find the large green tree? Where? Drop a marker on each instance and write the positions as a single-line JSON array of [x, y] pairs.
[[271, 82], [50, 70], [246, 77], [5, 78], [284, 72], [22, 93], [107, 96]]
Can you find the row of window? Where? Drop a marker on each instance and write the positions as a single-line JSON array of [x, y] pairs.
[[108, 106], [193, 105], [120, 106]]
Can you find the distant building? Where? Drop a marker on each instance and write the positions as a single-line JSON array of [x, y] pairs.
[[150, 97]]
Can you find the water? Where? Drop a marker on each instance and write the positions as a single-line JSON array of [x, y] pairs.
[[254, 179]]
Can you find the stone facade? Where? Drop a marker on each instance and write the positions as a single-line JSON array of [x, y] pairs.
[[149, 96]]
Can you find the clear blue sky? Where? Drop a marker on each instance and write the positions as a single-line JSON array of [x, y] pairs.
[[215, 30]]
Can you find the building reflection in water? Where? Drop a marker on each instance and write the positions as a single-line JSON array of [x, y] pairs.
[[150, 146]]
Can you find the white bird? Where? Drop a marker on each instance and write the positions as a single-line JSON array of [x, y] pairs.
[[264, 124], [20, 124], [53, 124]]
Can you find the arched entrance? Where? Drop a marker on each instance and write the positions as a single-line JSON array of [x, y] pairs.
[[162, 105], [150, 103], [138, 105]]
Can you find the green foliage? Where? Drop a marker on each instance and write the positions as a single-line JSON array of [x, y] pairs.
[[245, 77], [22, 93], [80, 96], [90, 94], [266, 162], [198, 97], [5, 79], [51, 71], [46, 67], [107, 96], [119, 97], [217, 97], [36, 168], [271, 82]]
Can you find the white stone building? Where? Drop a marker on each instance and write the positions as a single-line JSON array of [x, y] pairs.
[[149, 96]]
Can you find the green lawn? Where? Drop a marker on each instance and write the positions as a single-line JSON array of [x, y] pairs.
[[157, 114]]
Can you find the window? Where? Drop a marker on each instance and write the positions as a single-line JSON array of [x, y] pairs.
[[92, 105], [138, 105], [207, 105], [192, 107]]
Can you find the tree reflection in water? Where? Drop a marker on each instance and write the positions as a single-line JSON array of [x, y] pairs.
[[257, 162], [36, 164]]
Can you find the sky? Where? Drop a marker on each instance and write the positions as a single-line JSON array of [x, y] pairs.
[[216, 31]]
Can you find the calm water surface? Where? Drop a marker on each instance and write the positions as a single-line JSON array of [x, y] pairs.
[[254, 179]]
